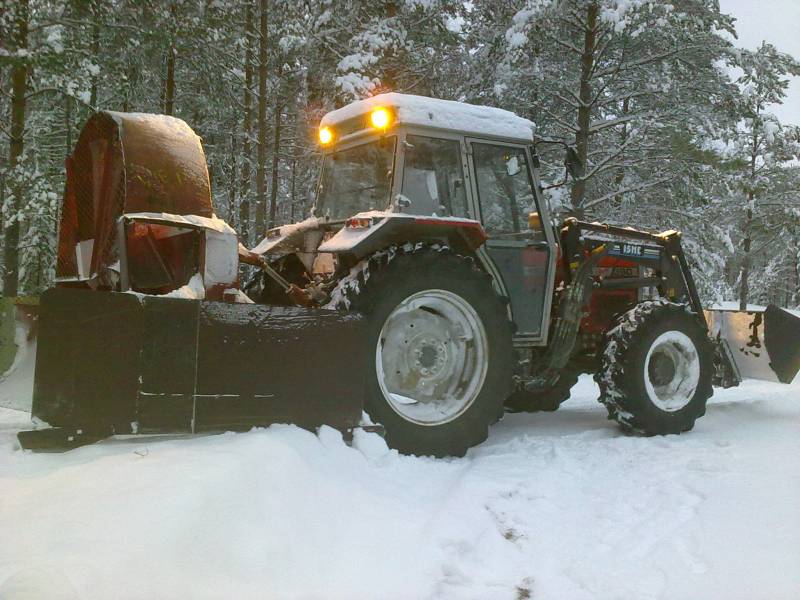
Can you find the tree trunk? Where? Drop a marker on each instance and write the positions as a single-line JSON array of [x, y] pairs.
[[744, 281], [169, 84], [19, 89], [95, 55], [68, 122], [261, 166], [578, 193], [273, 192], [619, 177], [232, 185], [244, 186], [794, 261], [292, 190], [389, 78]]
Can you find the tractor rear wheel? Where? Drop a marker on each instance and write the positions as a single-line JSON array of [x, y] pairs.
[[441, 338], [657, 369]]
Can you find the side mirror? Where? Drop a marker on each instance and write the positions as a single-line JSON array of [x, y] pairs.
[[573, 163]]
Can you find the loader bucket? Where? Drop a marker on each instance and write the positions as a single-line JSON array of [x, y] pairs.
[[127, 363], [763, 344]]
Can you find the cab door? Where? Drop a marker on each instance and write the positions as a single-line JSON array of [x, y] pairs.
[[503, 186]]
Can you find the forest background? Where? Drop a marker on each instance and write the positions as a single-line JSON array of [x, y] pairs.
[[676, 123]]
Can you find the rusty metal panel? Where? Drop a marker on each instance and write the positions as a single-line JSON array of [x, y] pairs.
[[127, 162]]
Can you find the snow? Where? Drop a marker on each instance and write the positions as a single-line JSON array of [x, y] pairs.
[[16, 385], [347, 237], [277, 235], [442, 114], [194, 290], [211, 223], [560, 505]]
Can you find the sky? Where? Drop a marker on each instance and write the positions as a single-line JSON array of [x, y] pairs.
[[777, 22]]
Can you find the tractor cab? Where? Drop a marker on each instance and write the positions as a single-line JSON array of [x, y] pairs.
[[448, 160]]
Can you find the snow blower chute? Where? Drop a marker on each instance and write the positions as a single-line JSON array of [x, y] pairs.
[[147, 330]]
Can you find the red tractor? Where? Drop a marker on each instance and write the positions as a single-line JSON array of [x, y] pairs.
[[430, 287]]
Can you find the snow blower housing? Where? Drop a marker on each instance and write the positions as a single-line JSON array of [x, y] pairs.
[[431, 287]]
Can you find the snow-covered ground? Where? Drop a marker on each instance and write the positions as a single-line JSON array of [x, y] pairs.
[[553, 506]]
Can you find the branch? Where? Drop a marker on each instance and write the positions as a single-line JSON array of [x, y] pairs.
[[636, 63], [564, 44], [601, 125], [636, 188], [559, 120]]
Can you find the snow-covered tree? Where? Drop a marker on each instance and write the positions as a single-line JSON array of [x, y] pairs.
[[763, 184], [641, 88]]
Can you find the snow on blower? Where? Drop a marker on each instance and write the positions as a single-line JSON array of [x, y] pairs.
[[430, 288]]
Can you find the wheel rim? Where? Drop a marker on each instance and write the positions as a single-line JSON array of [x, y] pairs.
[[672, 371], [431, 357]]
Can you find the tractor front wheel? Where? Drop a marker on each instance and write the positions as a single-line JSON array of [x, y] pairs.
[[657, 369]]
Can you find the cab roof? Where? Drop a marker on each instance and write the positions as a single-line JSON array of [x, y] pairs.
[[421, 111]]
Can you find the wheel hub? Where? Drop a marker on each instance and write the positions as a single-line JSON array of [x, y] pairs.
[[672, 371], [661, 369], [431, 357]]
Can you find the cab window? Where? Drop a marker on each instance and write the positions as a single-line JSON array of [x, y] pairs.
[[433, 177], [505, 189], [356, 179]]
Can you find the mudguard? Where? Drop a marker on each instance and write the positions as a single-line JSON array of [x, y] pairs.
[[366, 233]]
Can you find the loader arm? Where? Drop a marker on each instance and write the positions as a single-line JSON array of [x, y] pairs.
[[675, 278]]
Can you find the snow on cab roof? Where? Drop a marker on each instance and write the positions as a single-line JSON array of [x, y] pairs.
[[442, 114]]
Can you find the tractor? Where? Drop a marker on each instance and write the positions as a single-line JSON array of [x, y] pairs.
[[431, 288]]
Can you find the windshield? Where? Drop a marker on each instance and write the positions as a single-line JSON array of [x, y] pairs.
[[356, 180]]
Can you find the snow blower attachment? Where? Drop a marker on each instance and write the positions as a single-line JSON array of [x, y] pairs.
[[431, 288], [147, 329]]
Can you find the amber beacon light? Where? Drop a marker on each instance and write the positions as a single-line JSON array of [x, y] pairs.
[[380, 118], [325, 135]]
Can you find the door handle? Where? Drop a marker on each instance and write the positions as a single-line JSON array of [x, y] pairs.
[[543, 245]]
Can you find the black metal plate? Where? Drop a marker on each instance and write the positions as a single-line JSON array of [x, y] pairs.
[[87, 358], [782, 340], [271, 364], [183, 365]]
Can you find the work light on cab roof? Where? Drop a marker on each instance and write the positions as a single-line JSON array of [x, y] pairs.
[[325, 135], [380, 118]]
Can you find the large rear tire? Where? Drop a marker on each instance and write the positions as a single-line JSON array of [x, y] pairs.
[[657, 369], [442, 343]]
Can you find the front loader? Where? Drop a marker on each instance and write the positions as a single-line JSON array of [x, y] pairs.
[[430, 288]]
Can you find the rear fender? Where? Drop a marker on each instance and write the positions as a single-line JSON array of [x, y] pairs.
[[367, 233]]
